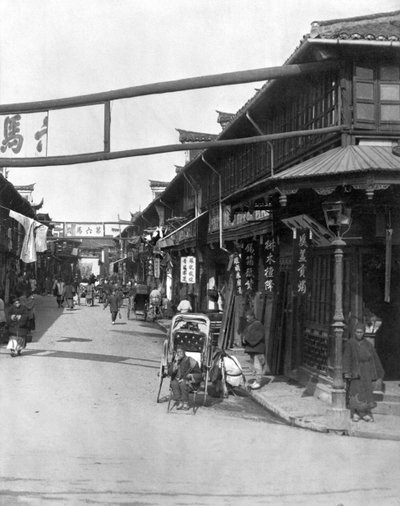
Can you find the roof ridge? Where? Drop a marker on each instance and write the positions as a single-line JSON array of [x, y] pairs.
[[358, 18]]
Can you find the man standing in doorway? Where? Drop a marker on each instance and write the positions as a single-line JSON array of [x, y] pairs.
[[254, 341]]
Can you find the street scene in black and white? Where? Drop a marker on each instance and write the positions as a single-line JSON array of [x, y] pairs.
[[200, 252]]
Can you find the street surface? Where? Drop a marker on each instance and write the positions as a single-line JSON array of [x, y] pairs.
[[80, 425]]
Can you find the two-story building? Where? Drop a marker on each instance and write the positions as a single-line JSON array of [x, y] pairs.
[[304, 226]]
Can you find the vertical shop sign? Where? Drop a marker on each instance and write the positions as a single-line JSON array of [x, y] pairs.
[[301, 260], [271, 263], [237, 272], [188, 269], [156, 267], [150, 267], [249, 265]]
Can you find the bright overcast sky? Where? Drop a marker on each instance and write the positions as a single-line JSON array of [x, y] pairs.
[[62, 48]]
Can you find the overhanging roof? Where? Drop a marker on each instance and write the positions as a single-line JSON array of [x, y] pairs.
[[340, 166], [168, 240]]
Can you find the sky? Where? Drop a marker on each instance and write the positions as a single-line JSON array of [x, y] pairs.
[[63, 48]]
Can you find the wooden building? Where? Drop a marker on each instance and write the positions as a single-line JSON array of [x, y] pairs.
[[304, 228]]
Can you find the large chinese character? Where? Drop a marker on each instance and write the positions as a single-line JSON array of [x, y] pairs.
[[250, 248], [303, 241], [98, 230], [302, 257], [302, 287], [302, 270], [269, 285], [270, 259], [89, 230], [12, 137], [269, 272], [40, 133], [270, 244]]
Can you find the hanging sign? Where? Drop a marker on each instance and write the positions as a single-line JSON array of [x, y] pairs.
[[249, 265], [188, 269], [156, 267], [271, 263], [237, 271], [301, 250], [24, 135]]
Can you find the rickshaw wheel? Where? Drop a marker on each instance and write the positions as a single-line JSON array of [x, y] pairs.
[[206, 387], [163, 371], [160, 381]]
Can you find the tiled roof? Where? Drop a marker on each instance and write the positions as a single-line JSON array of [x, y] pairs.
[[340, 160], [189, 136], [382, 26]]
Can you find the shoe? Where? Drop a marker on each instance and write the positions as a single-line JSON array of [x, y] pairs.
[[113, 323], [368, 418], [185, 406], [255, 386], [355, 417], [179, 405]]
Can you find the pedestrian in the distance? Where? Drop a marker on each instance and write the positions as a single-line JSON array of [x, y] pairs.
[[17, 328], [69, 295], [361, 366], [114, 301], [28, 302], [90, 295], [254, 341], [58, 291]]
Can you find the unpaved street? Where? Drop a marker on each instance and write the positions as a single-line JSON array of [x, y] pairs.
[[80, 425]]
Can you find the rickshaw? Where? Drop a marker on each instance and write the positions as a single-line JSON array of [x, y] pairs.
[[192, 331], [139, 303]]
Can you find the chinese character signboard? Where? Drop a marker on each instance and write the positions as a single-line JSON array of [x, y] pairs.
[[237, 272], [156, 267], [271, 263], [24, 135], [301, 249], [188, 269], [84, 230], [249, 265]]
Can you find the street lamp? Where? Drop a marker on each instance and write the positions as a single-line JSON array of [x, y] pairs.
[[338, 220]]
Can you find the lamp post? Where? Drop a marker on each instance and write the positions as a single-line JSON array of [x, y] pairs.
[[338, 221]]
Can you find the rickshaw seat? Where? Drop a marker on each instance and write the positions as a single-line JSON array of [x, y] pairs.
[[191, 341]]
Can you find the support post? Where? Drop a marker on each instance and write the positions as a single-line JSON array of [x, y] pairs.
[[338, 413]]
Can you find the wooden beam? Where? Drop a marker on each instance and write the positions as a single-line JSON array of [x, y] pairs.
[[103, 156], [191, 83]]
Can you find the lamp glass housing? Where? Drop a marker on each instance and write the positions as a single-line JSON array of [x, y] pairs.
[[337, 216]]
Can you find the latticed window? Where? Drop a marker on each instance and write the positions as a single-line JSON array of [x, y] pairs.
[[377, 96]]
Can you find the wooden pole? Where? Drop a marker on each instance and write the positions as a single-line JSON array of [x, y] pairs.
[[191, 83], [103, 156]]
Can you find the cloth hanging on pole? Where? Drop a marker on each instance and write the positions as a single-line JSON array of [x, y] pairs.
[[35, 237], [40, 237], [28, 251]]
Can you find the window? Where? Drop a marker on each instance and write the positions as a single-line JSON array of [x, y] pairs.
[[377, 96]]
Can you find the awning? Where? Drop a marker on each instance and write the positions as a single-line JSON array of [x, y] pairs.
[[341, 165], [169, 239]]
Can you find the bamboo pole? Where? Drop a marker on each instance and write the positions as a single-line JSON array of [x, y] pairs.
[[191, 83], [103, 156]]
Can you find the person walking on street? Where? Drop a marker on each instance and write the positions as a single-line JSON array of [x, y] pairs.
[[361, 367], [114, 301], [254, 341], [28, 301], [58, 291], [90, 295], [17, 328], [69, 295]]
